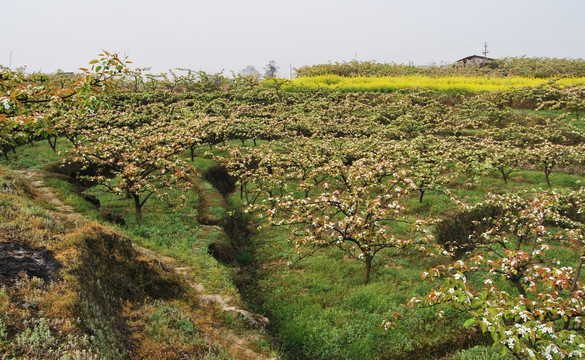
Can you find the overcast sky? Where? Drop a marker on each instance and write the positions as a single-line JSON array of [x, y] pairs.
[[216, 35]]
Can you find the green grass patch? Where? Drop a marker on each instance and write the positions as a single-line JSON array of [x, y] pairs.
[[68, 194], [36, 155], [169, 224], [323, 310], [481, 353]]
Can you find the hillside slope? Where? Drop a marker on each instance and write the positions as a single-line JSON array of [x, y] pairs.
[[75, 289]]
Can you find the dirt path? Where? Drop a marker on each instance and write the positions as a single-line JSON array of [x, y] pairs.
[[240, 344], [64, 211]]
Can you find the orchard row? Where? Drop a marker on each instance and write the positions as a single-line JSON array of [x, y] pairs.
[[338, 170]]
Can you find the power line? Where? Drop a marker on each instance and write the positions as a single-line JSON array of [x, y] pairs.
[[540, 44]]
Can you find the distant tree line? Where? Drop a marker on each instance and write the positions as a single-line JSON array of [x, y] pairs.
[[509, 66]]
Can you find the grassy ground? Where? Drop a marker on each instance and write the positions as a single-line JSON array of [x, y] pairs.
[[322, 309], [87, 294], [170, 228], [169, 224], [319, 306]]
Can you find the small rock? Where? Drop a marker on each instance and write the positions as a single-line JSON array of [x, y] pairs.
[[199, 288], [255, 321]]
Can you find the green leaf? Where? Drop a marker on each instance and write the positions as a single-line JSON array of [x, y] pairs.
[[494, 336], [94, 61], [469, 323]]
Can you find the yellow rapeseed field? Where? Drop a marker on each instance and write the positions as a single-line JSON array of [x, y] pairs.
[[451, 83]]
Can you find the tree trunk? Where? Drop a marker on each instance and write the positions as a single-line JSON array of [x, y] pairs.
[[422, 192], [577, 272], [546, 176], [52, 143], [504, 175], [138, 208], [518, 286], [368, 268]]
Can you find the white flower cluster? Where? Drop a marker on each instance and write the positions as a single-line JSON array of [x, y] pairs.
[[528, 351], [5, 103], [550, 350], [509, 342], [521, 329], [459, 276]]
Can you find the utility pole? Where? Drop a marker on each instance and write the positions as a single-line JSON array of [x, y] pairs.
[[485, 51]]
